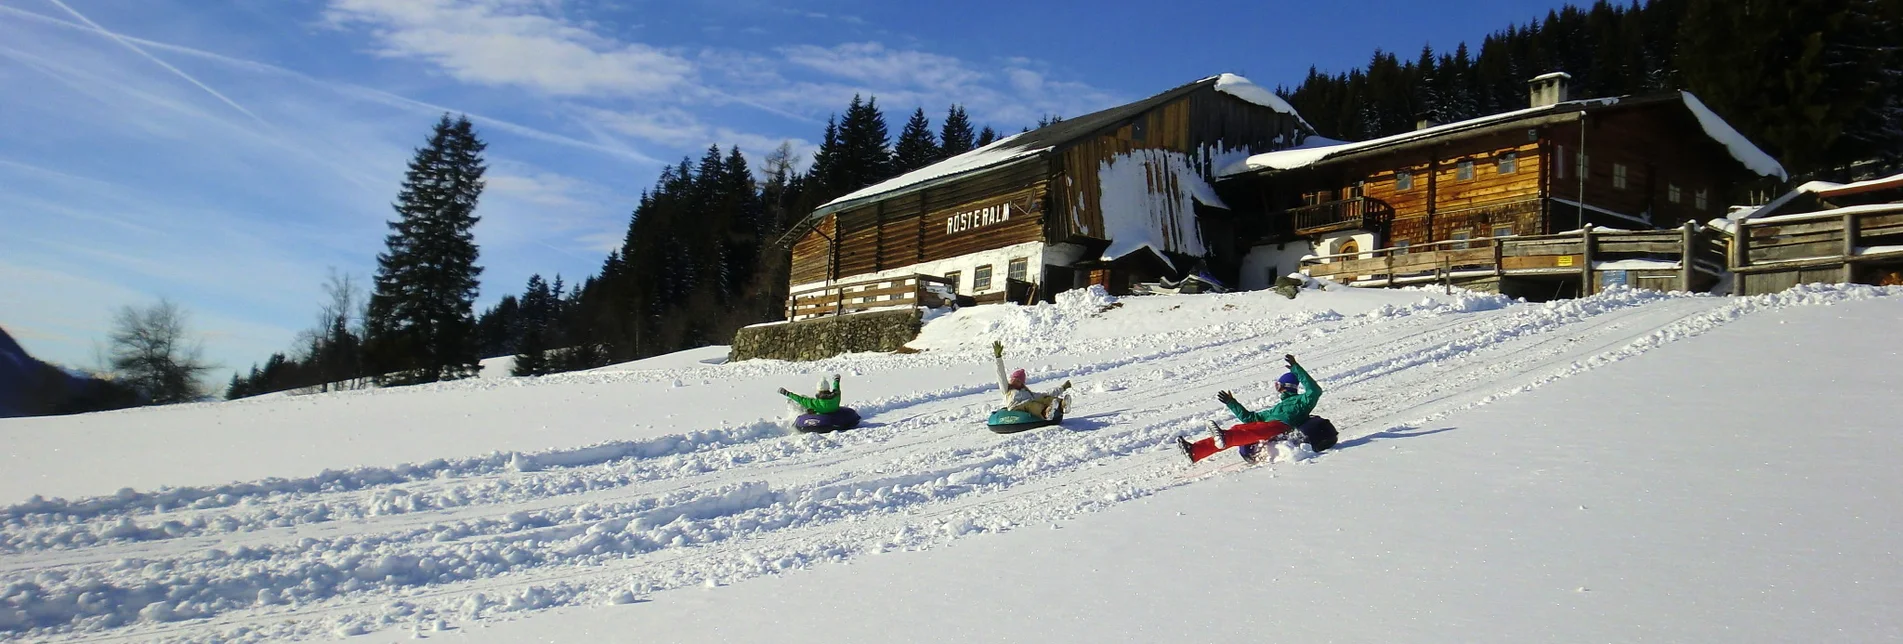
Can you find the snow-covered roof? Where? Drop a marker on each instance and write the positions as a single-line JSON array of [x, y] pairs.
[[1891, 182], [1548, 75], [1028, 144], [1714, 127], [1247, 90], [996, 153], [1809, 188]]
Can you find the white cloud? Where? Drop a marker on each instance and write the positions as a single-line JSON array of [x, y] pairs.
[[513, 43]]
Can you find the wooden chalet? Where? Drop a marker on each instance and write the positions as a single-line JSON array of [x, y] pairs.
[[1109, 198], [1508, 201]]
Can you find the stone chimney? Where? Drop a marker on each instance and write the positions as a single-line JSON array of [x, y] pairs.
[[1548, 89], [1425, 122]]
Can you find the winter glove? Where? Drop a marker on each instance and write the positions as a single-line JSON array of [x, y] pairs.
[[1290, 359], [1067, 385], [997, 349], [1226, 398], [784, 392]]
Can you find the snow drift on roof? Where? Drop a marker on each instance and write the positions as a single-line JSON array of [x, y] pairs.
[[1309, 154], [1740, 147], [1301, 157], [999, 151], [1247, 90]]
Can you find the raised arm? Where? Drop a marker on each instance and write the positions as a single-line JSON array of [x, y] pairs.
[[1311, 391], [1004, 381]]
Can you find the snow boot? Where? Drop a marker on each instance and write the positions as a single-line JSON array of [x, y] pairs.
[[1183, 445], [1215, 434]]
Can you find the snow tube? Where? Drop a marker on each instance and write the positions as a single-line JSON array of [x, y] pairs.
[[1320, 432], [843, 419], [1009, 421]]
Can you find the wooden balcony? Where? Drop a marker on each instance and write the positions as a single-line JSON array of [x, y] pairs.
[[1361, 213]]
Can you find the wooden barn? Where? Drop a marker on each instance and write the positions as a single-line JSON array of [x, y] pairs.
[[1112, 197], [1505, 201]]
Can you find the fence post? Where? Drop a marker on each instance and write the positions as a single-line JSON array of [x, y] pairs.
[[1739, 256], [1586, 287], [1685, 273], [1446, 275], [1850, 247], [1499, 255]]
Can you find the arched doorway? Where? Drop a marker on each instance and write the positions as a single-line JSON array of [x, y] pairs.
[[1349, 247]]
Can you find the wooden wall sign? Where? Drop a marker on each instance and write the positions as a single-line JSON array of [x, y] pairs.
[[977, 218]]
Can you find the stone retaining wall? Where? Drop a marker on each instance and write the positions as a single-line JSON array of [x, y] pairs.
[[823, 338]]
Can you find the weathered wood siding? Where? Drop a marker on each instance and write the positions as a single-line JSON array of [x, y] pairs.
[[1474, 206], [1200, 124], [911, 228], [1659, 146]]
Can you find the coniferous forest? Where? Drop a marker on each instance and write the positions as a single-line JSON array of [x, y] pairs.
[[1817, 83]]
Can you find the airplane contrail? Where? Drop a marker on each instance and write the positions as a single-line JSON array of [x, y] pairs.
[[148, 56]]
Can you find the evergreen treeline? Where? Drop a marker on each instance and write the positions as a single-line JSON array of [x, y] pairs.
[[697, 262], [1818, 83]]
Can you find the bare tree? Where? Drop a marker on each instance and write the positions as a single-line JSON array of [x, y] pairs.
[[333, 348], [151, 353]]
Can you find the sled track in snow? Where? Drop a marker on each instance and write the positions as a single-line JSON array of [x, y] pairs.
[[461, 540]]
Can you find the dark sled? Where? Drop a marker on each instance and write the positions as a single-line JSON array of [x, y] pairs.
[[1008, 421], [843, 419]]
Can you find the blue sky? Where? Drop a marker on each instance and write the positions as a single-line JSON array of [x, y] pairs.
[[227, 154]]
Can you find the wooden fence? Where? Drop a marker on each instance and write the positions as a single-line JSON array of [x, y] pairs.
[[868, 295], [1855, 244], [1652, 258]]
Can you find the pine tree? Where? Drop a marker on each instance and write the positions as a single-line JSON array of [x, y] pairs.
[[955, 137], [538, 310], [987, 136], [916, 148], [865, 154], [420, 324]]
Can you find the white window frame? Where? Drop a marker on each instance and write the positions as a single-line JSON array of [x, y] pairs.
[[1618, 176], [957, 278], [1464, 170], [1462, 237], [1674, 194], [1701, 199], [1508, 163], [1403, 180], [1497, 228]]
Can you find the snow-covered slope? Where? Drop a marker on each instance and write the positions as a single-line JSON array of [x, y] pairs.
[[467, 504]]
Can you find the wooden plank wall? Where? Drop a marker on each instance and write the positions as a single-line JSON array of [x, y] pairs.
[[1659, 145], [812, 254], [1459, 205], [909, 229], [1201, 119]]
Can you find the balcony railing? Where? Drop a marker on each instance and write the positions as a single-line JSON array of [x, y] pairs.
[[1347, 214]]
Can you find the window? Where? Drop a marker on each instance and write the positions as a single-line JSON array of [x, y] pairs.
[[1508, 163], [1559, 162], [1353, 192], [1139, 130], [981, 278], [1618, 176], [1503, 230], [1585, 165], [1017, 268], [954, 278], [1464, 171], [1460, 237], [1673, 194], [1403, 180], [1400, 247], [1698, 199]]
